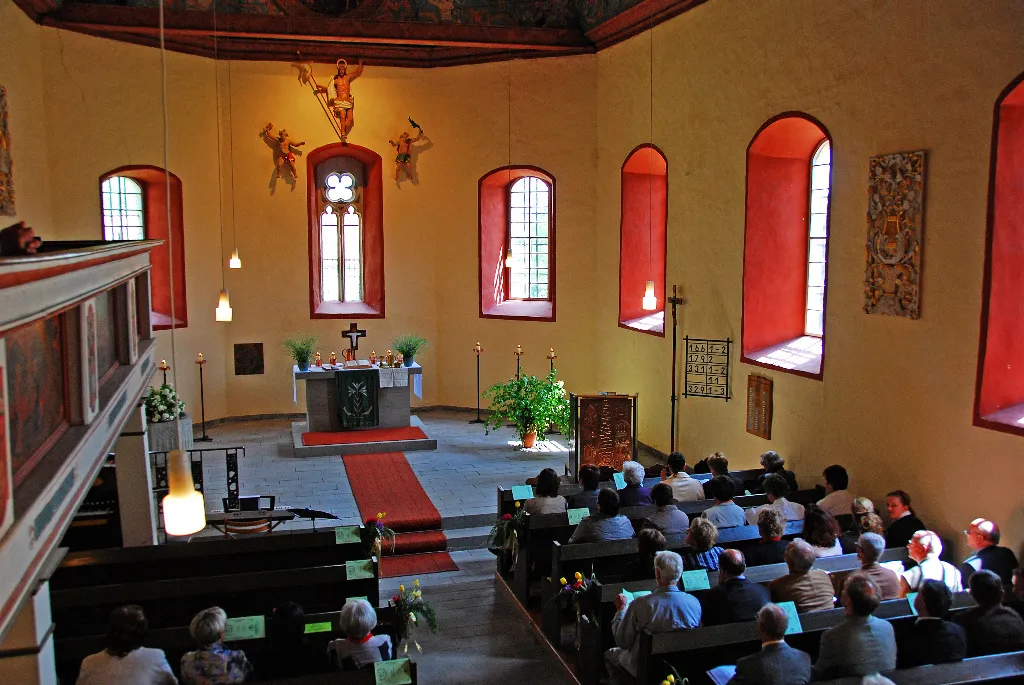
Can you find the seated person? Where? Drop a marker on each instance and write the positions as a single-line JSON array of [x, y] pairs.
[[776, 489], [932, 639], [546, 499], [125, 661], [821, 531], [668, 519], [735, 598], [360, 647], [590, 479], [771, 548], [983, 538], [903, 523], [860, 508], [19, 239], [634, 494], [1016, 602], [869, 550], [212, 662], [861, 644], [991, 627], [718, 465], [703, 553], [772, 462], [924, 548], [809, 588], [837, 500], [649, 542], [290, 652], [777, 663], [606, 524], [725, 513], [684, 488], [666, 609]]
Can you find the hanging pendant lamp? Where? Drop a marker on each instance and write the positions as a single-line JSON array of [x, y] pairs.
[[235, 262], [224, 306], [184, 509]]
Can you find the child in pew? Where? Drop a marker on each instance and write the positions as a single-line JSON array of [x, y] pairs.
[[212, 663], [125, 661], [361, 647], [290, 652]]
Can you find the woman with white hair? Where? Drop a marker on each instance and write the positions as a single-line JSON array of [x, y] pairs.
[[924, 548], [634, 494], [360, 647], [212, 662]]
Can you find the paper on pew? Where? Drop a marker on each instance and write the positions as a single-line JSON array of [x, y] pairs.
[[720, 675], [320, 627], [894, 566], [696, 580], [577, 515], [245, 628], [794, 618], [522, 492], [396, 672], [630, 596], [620, 480], [911, 596], [361, 568]]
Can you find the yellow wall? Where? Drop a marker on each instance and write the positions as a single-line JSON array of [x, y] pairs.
[[883, 76]]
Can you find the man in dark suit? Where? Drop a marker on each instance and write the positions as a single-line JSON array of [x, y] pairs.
[[736, 598], [932, 639], [983, 538], [777, 663], [991, 627], [903, 522]]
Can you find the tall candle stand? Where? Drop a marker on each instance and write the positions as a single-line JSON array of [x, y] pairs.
[[519, 354], [551, 359], [477, 350], [200, 362], [165, 368]]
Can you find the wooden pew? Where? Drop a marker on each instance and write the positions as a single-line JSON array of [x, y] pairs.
[[995, 668], [363, 676], [205, 556], [84, 611], [693, 652]]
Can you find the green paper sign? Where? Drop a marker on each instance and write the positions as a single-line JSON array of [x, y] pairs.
[[322, 627], [911, 596], [620, 480], [794, 618], [630, 596], [245, 628], [696, 580], [349, 599], [346, 534], [361, 568], [522, 492], [395, 672], [577, 515]]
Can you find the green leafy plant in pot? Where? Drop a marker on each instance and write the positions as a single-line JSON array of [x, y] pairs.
[[530, 404], [302, 348], [409, 346]]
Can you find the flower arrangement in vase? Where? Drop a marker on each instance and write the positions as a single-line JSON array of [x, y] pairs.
[[530, 404], [162, 404], [379, 534], [504, 535], [409, 604]]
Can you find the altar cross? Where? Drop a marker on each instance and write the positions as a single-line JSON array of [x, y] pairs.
[[354, 333]]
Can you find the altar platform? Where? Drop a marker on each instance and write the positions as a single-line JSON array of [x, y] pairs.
[[358, 446]]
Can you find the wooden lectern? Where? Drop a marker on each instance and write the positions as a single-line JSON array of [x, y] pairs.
[[603, 430]]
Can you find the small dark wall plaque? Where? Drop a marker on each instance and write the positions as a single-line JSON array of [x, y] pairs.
[[248, 359], [759, 406]]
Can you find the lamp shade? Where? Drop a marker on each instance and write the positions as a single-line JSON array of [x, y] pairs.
[[224, 307], [235, 262], [184, 509], [650, 301]]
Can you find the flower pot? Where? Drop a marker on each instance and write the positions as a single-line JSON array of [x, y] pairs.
[[303, 365], [407, 361], [529, 440], [162, 438]]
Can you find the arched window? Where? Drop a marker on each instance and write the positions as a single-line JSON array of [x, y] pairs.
[[999, 393], [642, 240], [134, 207], [785, 252], [346, 268], [517, 244]]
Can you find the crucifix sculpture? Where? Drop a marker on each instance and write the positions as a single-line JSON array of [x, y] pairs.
[[354, 333]]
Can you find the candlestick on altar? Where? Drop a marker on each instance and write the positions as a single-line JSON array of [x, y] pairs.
[[200, 362], [551, 358], [477, 350], [165, 368], [519, 354]]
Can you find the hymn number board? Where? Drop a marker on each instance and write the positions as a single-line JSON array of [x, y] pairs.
[[707, 368]]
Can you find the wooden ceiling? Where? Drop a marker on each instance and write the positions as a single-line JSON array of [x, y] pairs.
[[401, 33]]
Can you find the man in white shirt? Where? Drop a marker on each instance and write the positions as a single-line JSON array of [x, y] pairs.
[[684, 488], [776, 488], [838, 500]]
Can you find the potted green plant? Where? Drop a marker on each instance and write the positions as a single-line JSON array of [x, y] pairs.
[[301, 348], [530, 404], [409, 346]]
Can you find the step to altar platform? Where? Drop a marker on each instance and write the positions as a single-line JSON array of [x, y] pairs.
[[413, 438]]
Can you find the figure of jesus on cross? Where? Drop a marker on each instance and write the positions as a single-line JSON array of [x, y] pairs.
[[354, 333]]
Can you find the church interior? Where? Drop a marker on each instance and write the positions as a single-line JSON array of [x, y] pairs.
[[688, 204]]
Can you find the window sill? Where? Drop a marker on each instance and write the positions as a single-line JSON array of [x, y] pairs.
[[531, 310], [652, 324], [1009, 420], [800, 356], [162, 322], [340, 310]]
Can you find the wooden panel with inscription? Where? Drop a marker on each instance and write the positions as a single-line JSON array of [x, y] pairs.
[[759, 406], [603, 430]]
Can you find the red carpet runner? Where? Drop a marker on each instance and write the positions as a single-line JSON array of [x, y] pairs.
[[359, 436], [385, 482]]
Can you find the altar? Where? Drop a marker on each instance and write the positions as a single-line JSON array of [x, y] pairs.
[[359, 409]]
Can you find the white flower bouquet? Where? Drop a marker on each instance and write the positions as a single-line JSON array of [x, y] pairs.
[[162, 404]]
